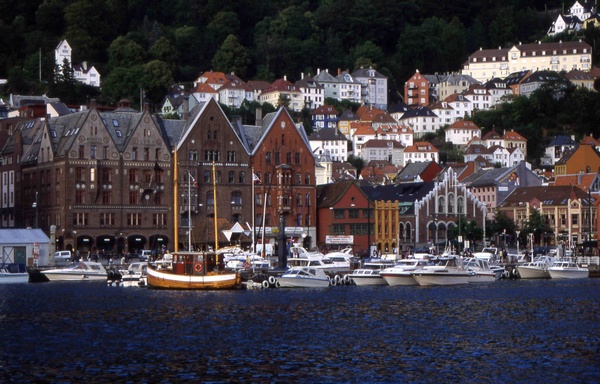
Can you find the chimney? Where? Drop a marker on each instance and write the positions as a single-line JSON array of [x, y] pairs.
[[318, 71], [258, 117], [579, 177], [302, 75], [339, 71], [186, 107], [84, 65], [285, 77]]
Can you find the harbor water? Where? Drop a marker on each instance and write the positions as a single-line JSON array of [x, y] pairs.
[[544, 331]]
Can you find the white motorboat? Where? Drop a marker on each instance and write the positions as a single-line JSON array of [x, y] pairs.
[[536, 269], [13, 273], [78, 271], [342, 260], [401, 272], [369, 274], [564, 269], [481, 271], [444, 271], [303, 277], [134, 275]]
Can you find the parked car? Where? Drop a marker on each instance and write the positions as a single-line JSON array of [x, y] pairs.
[[62, 257], [145, 254]]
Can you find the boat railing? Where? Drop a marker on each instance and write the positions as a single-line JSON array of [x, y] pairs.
[[589, 260]]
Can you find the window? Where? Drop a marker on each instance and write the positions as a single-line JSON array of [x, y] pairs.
[[79, 196], [307, 179], [106, 197], [353, 213], [134, 154], [242, 177], [134, 176], [288, 158], [106, 175], [236, 198], [134, 219], [231, 156], [93, 152], [80, 219], [298, 179], [159, 219], [107, 219], [147, 154], [133, 197], [339, 214], [157, 154], [277, 158], [80, 174], [193, 155], [105, 154], [297, 156], [267, 178], [231, 177], [82, 151]]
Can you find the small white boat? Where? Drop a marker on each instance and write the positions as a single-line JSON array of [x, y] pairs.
[[135, 275], [568, 270], [481, 271], [401, 272], [303, 277], [370, 273], [445, 271], [13, 273], [536, 269], [78, 271]]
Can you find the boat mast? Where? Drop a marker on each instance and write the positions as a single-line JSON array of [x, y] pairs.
[[253, 216], [175, 203], [189, 211], [214, 172]]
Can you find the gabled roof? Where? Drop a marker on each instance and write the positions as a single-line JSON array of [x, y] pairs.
[[347, 115], [404, 193], [362, 128], [463, 124], [418, 112], [492, 135], [204, 88], [329, 194], [324, 110], [399, 107], [421, 146], [561, 140], [327, 134], [378, 143], [513, 136], [412, 171], [583, 181], [547, 195]]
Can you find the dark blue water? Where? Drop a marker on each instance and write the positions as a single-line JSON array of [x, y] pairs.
[[508, 331]]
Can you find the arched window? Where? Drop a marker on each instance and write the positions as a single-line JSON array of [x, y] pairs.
[[460, 205], [441, 204], [242, 177], [231, 177], [450, 203]]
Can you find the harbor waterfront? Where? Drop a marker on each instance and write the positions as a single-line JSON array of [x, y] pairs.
[[534, 331]]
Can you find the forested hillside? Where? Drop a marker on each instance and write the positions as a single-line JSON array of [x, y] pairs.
[[152, 44]]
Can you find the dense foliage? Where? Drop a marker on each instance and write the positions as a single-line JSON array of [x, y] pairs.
[[135, 43]]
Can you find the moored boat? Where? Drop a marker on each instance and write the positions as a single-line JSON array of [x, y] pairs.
[[13, 273], [564, 269], [78, 271], [536, 269], [401, 272], [303, 277], [193, 270], [480, 269], [370, 273], [445, 271]]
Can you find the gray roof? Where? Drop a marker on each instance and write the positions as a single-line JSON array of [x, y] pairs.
[[22, 236], [404, 193], [327, 134]]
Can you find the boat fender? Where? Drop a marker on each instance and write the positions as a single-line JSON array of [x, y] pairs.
[[272, 280], [347, 279], [506, 274], [277, 284], [333, 282], [338, 279], [198, 267], [265, 284]]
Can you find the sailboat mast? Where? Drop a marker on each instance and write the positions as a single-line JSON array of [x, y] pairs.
[[214, 172], [175, 203], [253, 215]]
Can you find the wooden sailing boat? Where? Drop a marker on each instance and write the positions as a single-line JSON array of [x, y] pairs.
[[192, 270]]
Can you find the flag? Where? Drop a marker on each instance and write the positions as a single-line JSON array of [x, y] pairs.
[[255, 178], [194, 181]]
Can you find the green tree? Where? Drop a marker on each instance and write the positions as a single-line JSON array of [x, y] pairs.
[[357, 162], [367, 55], [126, 53], [157, 79], [535, 224], [163, 50], [232, 57], [123, 83]]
